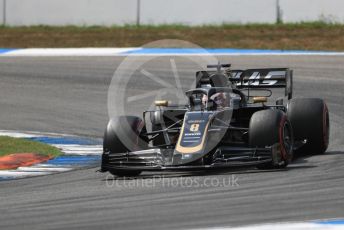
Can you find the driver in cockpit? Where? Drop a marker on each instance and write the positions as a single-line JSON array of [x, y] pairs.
[[220, 100]]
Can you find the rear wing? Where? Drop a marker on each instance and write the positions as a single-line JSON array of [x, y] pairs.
[[254, 78]]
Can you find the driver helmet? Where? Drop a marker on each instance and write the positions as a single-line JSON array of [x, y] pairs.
[[220, 100]]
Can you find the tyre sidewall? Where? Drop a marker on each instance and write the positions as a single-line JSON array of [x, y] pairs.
[[266, 129], [310, 120]]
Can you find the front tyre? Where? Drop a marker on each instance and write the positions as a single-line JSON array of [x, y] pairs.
[[125, 173], [124, 134], [272, 128]]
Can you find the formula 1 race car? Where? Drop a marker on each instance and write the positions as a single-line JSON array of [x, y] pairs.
[[227, 122]]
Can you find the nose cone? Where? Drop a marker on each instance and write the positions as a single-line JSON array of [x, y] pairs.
[[185, 159], [192, 139]]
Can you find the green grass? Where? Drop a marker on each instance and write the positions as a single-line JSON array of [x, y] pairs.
[[305, 36], [10, 145]]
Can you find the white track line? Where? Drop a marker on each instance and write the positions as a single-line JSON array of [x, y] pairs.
[[231, 54], [18, 135], [20, 174], [113, 52], [80, 149], [81, 153], [284, 226], [35, 168], [29, 134], [46, 52]]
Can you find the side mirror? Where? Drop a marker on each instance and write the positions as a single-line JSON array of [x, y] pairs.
[[161, 103], [260, 99]]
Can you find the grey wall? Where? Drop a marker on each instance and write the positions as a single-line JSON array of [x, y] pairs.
[[198, 12], [312, 10], [2, 12], [71, 12], [190, 12]]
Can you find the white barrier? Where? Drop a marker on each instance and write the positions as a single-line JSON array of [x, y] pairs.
[[201, 12], [312, 10], [189, 12], [2, 11], [71, 12]]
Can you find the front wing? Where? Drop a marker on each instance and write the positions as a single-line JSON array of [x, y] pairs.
[[162, 159]]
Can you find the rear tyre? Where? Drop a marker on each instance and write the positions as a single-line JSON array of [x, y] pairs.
[[310, 120], [123, 134], [268, 128]]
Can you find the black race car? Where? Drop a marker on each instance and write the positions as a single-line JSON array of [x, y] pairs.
[[228, 122]]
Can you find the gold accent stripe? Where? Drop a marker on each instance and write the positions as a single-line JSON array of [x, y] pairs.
[[188, 150]]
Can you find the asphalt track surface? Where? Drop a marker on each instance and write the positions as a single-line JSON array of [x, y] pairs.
[[69, 95]]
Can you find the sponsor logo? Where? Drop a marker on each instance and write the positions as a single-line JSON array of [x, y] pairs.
[[193, 134], [261, 80], [195, 121]]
